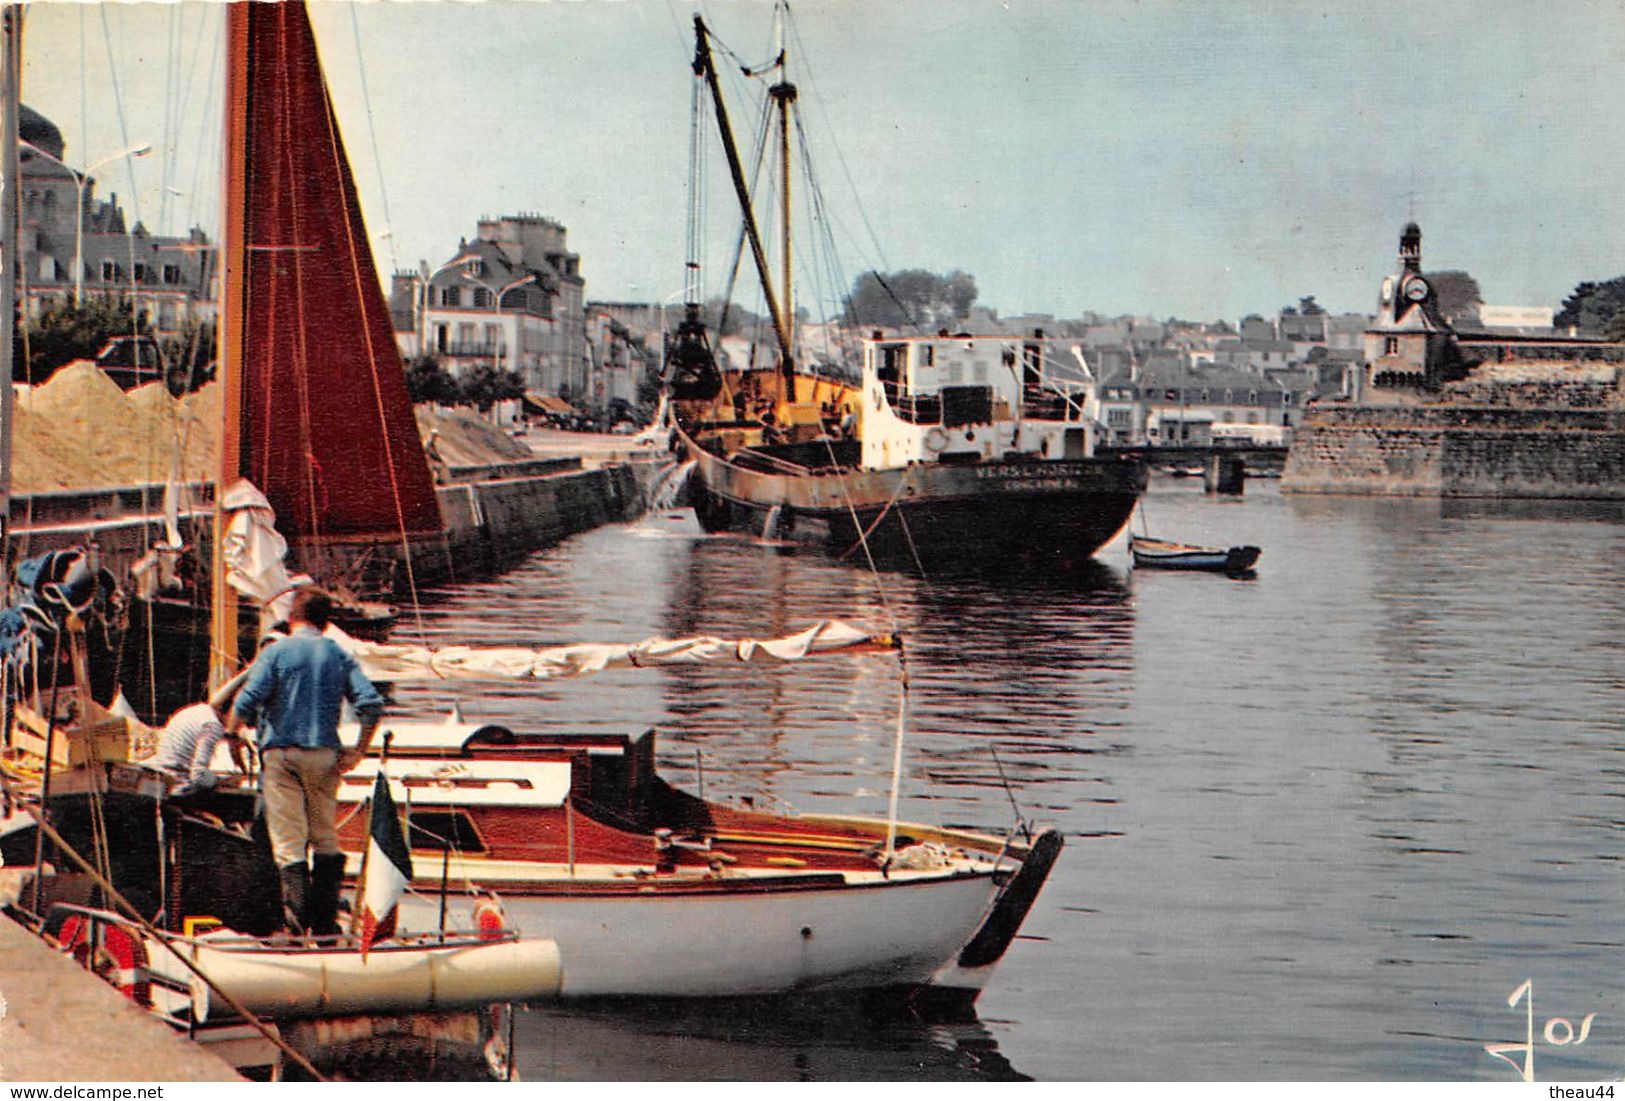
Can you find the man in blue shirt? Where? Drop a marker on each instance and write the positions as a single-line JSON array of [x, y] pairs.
[[293, 695]]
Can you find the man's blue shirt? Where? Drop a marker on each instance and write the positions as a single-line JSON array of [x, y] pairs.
[[296, 688]]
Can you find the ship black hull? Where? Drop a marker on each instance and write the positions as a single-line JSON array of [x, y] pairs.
[[1036, 511]]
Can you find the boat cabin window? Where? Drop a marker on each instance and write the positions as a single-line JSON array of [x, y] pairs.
[[440, 830], [1032, 365], [889, 369]]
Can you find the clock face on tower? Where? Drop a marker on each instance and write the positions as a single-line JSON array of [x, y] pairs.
[[1416, 289]]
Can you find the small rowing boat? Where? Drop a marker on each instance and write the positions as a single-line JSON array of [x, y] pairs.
[[1164, 555]]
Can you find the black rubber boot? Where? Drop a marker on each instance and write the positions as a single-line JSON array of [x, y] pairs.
[[295, 896], [326, 880]]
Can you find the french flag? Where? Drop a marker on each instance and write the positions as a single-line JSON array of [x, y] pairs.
[[389, 868]]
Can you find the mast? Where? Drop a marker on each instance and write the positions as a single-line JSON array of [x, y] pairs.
[[703, 66], [784, 96], [11, 52], [223, 657]]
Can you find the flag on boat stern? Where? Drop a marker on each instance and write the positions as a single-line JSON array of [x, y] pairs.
[[389, 868]]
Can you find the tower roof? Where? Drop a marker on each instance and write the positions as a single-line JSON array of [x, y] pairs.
[[39, 131]]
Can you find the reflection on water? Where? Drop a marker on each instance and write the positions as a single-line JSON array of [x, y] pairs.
[[751, 1040], [1321, 823]]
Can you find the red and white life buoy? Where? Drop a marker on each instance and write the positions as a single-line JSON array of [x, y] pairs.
[[490, 919], [128, 956], [111, 951]]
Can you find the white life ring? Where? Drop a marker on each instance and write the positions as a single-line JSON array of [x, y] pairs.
[[935, 439]]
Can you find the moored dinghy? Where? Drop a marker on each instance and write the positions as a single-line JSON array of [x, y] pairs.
[[1165, 555]]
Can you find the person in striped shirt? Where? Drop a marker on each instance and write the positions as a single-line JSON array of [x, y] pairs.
[[186, 745]]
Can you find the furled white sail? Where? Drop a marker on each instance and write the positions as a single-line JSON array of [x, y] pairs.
[[393, 662], [254, 552]]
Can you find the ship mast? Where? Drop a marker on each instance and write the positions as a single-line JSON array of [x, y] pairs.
[[223, 657], [784, 96], [10, 90], [705, 67]]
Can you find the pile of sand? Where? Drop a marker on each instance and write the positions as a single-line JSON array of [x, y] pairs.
[[467, 439], [78, 430]]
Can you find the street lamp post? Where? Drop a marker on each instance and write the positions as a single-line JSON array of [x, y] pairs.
[[428, 279], [80, 179], [506, 287]]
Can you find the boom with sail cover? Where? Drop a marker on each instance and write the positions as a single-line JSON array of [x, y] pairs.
[[390, 662]]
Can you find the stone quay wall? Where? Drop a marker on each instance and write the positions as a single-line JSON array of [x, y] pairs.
[[491, 515], [1459, 451], [490, 522]]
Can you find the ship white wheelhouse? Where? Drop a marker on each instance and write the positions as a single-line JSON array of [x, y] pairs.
[[973, 399]]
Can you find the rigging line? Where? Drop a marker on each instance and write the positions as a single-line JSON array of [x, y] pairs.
[[123, 124], [287, 186], [208, 122], [914, 551], [810, 81], [763, 133], [181, 111], [171, 22], [826, 273], [897, 750], [372, 134], [335, 149], [874, 572], [84, 76]]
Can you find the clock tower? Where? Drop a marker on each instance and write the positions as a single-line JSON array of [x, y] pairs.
[[1405, 347]]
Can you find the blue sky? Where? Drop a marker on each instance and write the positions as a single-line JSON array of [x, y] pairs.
[[1195, 159]]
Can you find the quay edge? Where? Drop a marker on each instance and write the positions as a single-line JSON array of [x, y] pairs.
[[49, 1006], [491, 516]]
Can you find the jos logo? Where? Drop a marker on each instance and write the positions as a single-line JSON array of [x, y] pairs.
[[1559, 1032]]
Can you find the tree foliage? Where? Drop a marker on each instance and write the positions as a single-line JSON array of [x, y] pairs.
[[1457, 294], [913, 297], [73, 330], [427, 381], [1594, 308], [482, 386]]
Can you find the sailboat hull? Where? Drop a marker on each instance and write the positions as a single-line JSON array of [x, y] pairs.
[[936, 512], [772, 938]]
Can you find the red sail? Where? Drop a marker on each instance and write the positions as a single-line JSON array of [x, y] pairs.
[[326, 427]]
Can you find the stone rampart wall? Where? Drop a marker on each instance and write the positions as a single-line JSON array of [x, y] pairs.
[[1459, 451]]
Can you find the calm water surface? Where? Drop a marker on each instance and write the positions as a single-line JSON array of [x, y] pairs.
[[1321, 824]]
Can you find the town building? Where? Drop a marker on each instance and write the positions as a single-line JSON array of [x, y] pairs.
[[1494, 405], [1172, 404], [1407, 345], [73, 243], [513, 298]]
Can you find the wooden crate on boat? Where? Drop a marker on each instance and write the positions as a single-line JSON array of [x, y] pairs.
[[74, 744]]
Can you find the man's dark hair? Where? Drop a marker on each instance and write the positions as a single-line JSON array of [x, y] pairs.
[[312, 606]]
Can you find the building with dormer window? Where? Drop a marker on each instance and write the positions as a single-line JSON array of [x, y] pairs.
[[512, 298], [71, 242]]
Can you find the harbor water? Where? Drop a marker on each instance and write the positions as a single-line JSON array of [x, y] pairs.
[[1322, 823]]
